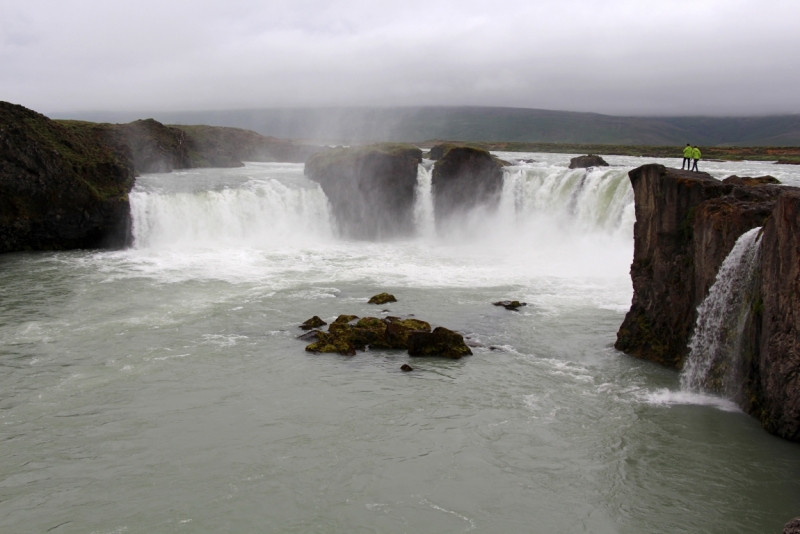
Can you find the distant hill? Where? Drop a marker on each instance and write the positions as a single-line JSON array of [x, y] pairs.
[[418, 124]]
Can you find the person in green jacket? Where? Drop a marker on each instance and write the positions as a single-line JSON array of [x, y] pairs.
[[696, 155], [687, 157]]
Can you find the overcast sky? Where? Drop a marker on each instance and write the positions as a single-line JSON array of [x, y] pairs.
[[674, 57]]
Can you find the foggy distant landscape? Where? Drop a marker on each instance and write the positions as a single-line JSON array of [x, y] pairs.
[[419, 124]]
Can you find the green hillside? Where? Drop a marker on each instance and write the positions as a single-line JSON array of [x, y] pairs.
[[416, 124]]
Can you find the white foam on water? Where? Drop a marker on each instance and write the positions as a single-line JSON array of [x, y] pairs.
[[666, 398]]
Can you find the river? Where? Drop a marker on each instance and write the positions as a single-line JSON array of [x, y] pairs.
[[162, 388]]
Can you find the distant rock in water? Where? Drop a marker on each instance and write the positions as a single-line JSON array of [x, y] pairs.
[[407, 368], [61, 187], [382, 298], [314, 322], [512, 305], [788, 162], [759, 180], [584, 162], [371, 188], [463, 179], [686, 226]]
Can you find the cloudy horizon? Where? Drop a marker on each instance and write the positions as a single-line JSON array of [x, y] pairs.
[[619, 57]]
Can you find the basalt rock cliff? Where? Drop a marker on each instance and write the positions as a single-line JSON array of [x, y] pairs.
[[371, 188], [60, 187], [156, 147], [686, 225], [463, 179]]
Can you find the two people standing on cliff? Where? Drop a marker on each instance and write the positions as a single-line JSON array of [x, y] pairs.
[[691, 153]]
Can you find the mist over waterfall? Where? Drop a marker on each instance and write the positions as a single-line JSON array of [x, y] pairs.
[[715, 357]]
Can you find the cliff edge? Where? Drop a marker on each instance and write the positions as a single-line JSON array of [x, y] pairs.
[[686, 225], [60, 187]]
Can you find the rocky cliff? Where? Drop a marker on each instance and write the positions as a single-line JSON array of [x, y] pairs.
[[464, 178], [686, 225], [775, 390], [371, 188], [156, 147], [60, 187]]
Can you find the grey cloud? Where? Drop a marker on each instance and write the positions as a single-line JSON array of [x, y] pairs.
[[622, 57]]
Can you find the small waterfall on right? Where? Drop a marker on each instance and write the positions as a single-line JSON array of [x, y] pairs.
[[715, 356]]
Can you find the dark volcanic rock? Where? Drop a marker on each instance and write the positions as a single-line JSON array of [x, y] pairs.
[[792, 527], [512, 305], [60, 187], [371, 189], [584, 162], [745, 180], [440, 342], [775, 393], [686, 224], [398, 331], [382, 298], [314, 322], [464, 178], [155, 147]]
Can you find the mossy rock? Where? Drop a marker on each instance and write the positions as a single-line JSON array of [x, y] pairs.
[[382, 298], [314, 322], [345, 319], [330, 343], [398, 331], [440, 342]]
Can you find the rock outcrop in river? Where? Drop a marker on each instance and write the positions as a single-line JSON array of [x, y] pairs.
[[686, 225], [464, 178], [584, 162], [371, 188], [60, 187]]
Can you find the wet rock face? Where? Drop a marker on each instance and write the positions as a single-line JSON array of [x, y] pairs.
[[60, 187], [776, 390], [584, 162], [686, 225], [371, 189], [463, 179]]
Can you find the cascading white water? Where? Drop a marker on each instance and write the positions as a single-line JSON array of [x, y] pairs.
[[268, 205], [257, 213], [715, 348], [592, 199], [423, 202]]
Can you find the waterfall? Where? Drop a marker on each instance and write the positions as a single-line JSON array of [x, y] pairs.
[[254, 214], [594, 199], [423, 202], [264, 205], [714, 361]]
